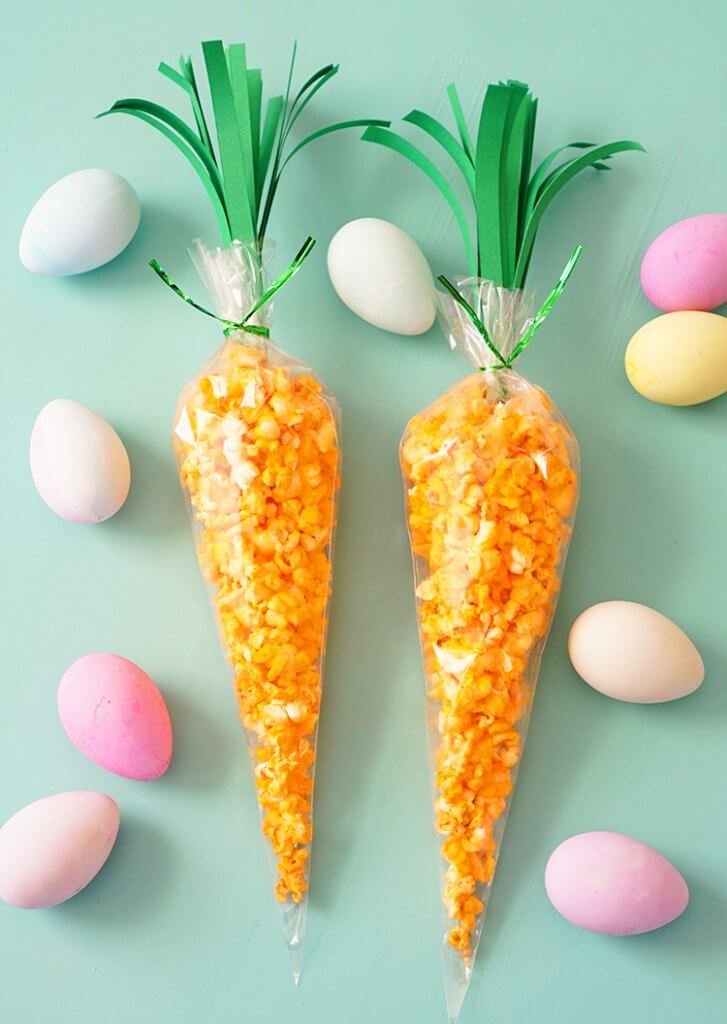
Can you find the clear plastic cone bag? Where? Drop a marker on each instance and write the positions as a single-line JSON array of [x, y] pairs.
[[256, 438], [491, 485]]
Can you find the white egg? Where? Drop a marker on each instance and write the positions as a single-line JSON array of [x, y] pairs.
[[80, 223], [78, 462], [633, 653], [381, 274]]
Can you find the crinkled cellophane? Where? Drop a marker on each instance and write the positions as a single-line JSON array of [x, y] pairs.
[[256, 440], [491, 484]]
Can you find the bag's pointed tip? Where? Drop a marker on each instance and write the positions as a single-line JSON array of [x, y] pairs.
[[457, 977], [294, 920]]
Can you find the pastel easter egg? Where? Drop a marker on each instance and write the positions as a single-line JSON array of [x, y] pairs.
[[52, 848], [116, 716], [81, 222], [78, 462], [685, 267], [382, 275], [612, 884], [630, 652], [679, 358]]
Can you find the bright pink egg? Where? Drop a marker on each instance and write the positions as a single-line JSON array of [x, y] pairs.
[[685, 267], [613, 884], [116, 716]]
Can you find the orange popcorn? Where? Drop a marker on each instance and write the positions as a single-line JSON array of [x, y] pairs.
[[257, 448], [490, 471]]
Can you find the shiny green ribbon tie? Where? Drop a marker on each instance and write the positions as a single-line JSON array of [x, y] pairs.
[[233, 326], [536, 322]]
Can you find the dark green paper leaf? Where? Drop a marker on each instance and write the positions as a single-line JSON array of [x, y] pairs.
[[359, 123], [459, 117]]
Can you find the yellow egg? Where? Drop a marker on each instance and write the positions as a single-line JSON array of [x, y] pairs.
[[679, 358]]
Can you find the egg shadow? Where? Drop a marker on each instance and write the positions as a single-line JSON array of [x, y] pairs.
[[155, 505], [132, 883], [204, 753], [162, 230]]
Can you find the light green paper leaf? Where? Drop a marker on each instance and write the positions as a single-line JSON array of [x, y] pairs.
[[228, 140], [447, 141], [400, 145], [461, 122], [561, 178], [255, 96]]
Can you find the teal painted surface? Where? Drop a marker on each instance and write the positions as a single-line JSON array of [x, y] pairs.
[[180, 926]]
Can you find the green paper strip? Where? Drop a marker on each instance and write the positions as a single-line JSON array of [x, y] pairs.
[[515, 145], [459, 117], [197, 165], [176, 124], [273, 112], [561, 179], [385, 137], [190, 88], [231, 326], [228, 140], [255, 96], [237, 67], [306, 93], [488, 183], [447, 141], [187, 69], [362, 122]]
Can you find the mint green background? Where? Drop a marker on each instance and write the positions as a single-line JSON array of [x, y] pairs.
[[180, 927]]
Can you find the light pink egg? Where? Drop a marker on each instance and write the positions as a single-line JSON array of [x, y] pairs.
[[116, 716], [52, 848], [685, 267], [613, 884]]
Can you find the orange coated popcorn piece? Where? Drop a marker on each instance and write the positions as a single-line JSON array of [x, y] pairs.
[[491, 486], [258, 458]]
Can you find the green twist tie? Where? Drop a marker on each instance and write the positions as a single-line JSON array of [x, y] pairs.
[[233, 326], [537, 321]]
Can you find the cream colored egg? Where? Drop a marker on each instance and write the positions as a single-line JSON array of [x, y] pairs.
[[382, 275], [630, 652], [679, 358]]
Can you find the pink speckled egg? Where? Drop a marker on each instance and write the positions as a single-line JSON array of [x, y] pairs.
[[612, 884], [116, 716], [685, 267], [52, 848]]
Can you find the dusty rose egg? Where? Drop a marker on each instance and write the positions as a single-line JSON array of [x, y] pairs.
[[52, 848], [116, 716], [613, 884], [685, 267]]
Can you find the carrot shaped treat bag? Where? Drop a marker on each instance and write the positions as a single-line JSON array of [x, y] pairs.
[[491, 485], [256, 437]]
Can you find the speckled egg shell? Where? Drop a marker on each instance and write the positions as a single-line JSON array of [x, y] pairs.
[[685, 267], [114, 713], [613, 884], [52, 848]]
